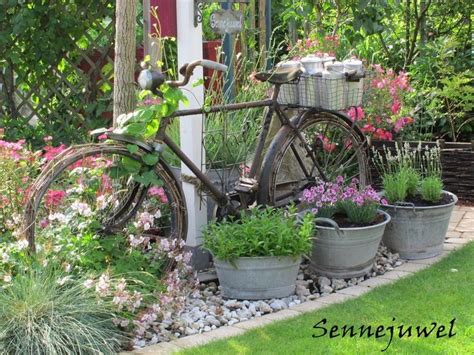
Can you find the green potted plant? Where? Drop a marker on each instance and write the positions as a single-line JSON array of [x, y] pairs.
[[419, 207], [349, 227], [258, 256]]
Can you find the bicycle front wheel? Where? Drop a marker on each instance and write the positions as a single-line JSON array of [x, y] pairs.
[[87, 192], [324, 146]]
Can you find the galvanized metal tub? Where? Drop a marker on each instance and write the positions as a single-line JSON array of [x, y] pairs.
[[418, 232], [346, 252], [253, 278]]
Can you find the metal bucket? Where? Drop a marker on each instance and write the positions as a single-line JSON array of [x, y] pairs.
[[254, 278], [418, 232], [346, 252]]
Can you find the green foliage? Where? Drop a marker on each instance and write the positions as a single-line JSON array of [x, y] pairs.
[[362, 215], [260, 232], [42, 312], [405, 173], [143, 124], [395, 186], [35, 37], [413, 180], [431, 189]]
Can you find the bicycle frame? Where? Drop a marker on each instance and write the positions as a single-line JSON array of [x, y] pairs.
[[274, 107]]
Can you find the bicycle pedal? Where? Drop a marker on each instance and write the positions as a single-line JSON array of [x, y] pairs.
[[246, 185]]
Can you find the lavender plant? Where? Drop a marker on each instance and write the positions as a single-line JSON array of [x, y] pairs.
[[410, 172], [431, 189]]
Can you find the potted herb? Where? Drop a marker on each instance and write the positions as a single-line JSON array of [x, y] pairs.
[[419, 207], [258, 256], [349, 227]]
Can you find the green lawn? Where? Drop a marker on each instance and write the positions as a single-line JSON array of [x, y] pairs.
[[436, 294]]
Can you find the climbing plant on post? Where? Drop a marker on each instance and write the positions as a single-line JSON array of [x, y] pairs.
[[124, 64]]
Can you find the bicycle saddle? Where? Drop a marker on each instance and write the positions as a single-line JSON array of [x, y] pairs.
[[279, 75]]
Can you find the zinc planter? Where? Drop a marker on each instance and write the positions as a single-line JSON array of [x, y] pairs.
[[253, 278], [346, 252], [418, 232]]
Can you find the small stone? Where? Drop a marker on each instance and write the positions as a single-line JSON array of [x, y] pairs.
[[301, 283], [398, 263], [264, 307], [258, 314], [326, 289], [338, 284], [233, 304], [324, 281], [302, 291], [190, 331], [212, 321], [291, 304], [246, 303], [313, 296], [278, 305], [300, 277], [252, 309], [227, 315], [214, 327], [207, 328], [233, 321]]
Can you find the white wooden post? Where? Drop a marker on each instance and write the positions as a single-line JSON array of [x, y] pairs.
[[190, 48]]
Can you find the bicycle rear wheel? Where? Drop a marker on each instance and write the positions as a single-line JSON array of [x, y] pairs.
[[328, 146], [86, 192]]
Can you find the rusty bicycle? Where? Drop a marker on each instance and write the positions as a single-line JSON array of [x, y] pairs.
[[312, 143]]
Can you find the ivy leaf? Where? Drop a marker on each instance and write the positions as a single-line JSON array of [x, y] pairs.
[[150, 159], [132, 148]]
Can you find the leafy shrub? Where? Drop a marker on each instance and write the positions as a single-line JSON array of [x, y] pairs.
[[43, 313], [431, 189], [261, 232]]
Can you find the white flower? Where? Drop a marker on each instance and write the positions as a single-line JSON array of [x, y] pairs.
[[88, 283], [22, 244], [61, 218], [67, 267], [5, 257], [101, 202], [7, 278], [82, 208], [134, 242]]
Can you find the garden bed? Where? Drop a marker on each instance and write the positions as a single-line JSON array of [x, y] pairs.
[[208, 310], [457, 162]]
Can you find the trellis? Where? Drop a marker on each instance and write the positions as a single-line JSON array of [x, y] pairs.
[[77, 93]]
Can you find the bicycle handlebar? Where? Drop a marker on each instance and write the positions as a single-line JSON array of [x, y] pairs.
[[152, 79]]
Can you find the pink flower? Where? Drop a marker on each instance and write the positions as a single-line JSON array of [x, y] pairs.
[[44, 223], [396, 107], [356, 113], [54, 198], [52, 152], [158, 192]]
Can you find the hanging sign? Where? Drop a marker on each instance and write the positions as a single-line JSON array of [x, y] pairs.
[[226, 21]]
